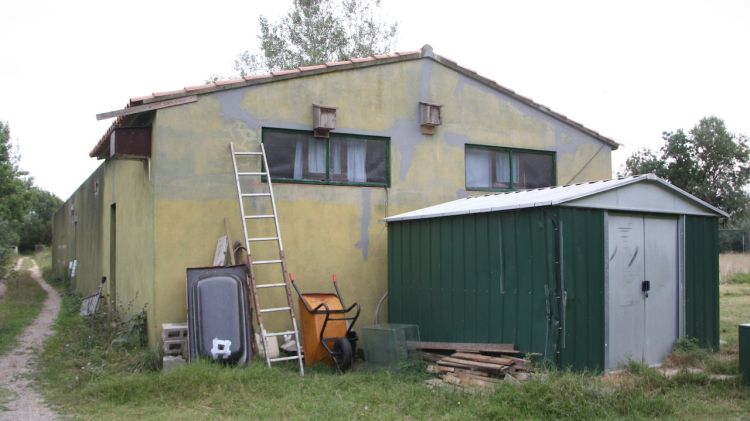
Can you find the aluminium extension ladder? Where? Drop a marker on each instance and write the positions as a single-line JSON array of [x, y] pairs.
[[281, 261]]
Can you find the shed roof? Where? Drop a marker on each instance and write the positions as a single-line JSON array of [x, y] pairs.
[[184, 95], [643, 193]]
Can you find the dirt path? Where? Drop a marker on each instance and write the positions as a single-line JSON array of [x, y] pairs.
[[17, 365]]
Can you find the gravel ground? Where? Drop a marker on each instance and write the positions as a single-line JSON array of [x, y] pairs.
[[16, 367]]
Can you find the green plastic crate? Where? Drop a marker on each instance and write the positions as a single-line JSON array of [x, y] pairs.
[[385, 344]]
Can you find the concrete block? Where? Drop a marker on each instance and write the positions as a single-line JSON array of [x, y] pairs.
[[171, 331], [169, 362], [175, 347]]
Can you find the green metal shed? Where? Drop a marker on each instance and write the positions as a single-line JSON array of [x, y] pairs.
[[588, 275]]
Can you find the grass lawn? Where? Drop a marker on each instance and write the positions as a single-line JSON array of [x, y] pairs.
[[93, 369], [19, 306]]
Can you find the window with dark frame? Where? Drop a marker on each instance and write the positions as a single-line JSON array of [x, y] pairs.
[[496, 168], [298, 156]]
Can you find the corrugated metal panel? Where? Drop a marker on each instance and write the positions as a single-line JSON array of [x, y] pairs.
[[583, 253], [475, 278], [548, 196], [702, 280]]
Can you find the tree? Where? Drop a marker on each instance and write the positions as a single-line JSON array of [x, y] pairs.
[[319, 31], [25, 211], [13, 184], [708, 162], [37, 225]]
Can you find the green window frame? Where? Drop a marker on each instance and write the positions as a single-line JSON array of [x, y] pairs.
[[334, 172], [502, 177]]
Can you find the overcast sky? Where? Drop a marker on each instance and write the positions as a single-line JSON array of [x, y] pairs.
[[628, 69]]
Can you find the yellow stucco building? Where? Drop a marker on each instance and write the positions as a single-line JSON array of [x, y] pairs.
[[156, 204]]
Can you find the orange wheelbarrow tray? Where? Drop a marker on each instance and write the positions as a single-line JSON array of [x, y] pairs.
[[334, 313]]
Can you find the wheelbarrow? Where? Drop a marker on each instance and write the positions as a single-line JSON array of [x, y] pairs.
[[327, 327]]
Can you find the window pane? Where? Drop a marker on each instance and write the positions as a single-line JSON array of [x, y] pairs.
[[357, 160], [478, 167], [297, 156], [534, 170], [501, 173]]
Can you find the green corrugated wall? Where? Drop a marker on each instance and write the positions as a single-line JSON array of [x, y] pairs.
[[475, 278], [494, 277], [482, 277], [583, 277], [702, 280]]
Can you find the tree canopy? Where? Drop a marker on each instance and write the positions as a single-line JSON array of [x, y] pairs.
[[25, 211], [319, 31], [708, 162]]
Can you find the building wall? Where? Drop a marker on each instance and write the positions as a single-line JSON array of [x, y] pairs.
[[583, 253], [702, 280], [77, 234], [86, 233], [336, 229], [486, 277]]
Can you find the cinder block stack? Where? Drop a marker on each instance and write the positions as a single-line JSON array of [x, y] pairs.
[[175, 337]]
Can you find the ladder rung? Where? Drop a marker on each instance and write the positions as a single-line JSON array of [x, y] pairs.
[[288, 332], [293, 357], [270, 310], [265, 262], [270, 285], [252, 173], [248, 153], [258, 216], [262, 238], [255, 194]]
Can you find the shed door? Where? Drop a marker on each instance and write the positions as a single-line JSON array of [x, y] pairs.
[[642, 325]]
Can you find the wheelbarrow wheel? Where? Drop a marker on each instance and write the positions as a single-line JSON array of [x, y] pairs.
[[342, 354]]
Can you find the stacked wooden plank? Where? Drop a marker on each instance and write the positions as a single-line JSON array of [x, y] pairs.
[[470, 364]]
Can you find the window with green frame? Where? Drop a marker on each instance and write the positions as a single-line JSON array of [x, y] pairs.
[[496, 168], [345, 159]]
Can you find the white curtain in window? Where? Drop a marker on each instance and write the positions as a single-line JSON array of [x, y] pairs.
[[316, 156], [502, 168], [356, 156], [336, 158], [298, 160], [478, 168], [516, 171]]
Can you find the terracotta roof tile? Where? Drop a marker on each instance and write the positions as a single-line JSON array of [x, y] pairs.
[[313, 67], [229, 82], [285, 72], [259, 76], [363, 59], [140, 98], [381, 56], [199, 87], [176, 91], [338, 63]]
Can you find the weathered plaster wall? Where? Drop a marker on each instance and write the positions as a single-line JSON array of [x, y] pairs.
[[85, 235], [339, 229], [77, 234], [128, 187]]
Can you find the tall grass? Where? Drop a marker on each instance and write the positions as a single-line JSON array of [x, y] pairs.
[[732, 264], [87, 376], [19, 307]]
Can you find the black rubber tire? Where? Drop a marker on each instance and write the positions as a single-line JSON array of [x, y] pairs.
[[342, 354]]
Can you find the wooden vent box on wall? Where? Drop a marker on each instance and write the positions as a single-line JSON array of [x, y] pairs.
[[130, 143], [429, 117], [324, 120]]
